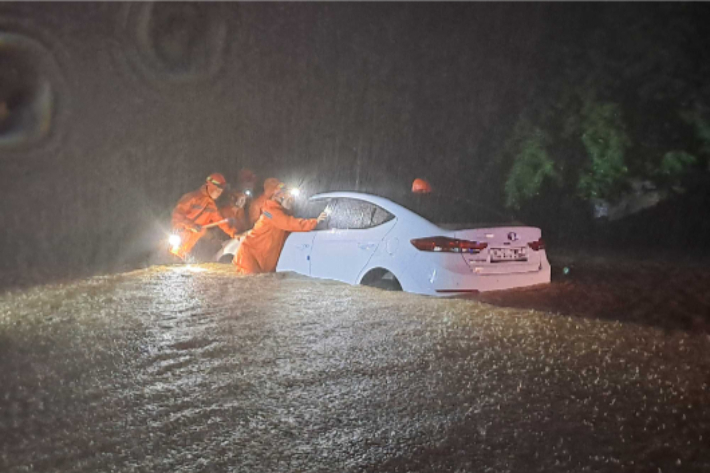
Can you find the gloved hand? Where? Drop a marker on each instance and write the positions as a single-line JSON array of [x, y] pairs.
[[322, 217]]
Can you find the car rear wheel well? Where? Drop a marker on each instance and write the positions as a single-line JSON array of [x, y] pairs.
[[381, 278]]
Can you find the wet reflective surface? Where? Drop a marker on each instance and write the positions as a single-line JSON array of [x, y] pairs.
[[195, 369]]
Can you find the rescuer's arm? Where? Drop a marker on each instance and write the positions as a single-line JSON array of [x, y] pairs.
[[293, 224], [216, 216], [229, 227]]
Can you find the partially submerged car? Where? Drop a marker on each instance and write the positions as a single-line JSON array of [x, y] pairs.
[[373, 241]]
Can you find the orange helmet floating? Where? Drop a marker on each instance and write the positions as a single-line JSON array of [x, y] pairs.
[[217, 179], [420, 186]]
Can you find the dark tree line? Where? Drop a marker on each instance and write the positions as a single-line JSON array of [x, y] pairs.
[[621, 94]]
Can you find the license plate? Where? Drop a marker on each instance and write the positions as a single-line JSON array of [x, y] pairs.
[[508, 254]]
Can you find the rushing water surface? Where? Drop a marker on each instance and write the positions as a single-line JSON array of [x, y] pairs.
[[191, 368]]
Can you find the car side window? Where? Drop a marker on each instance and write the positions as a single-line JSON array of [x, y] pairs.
[[337, 216], [311, 208], [380, 216], [354, 214]]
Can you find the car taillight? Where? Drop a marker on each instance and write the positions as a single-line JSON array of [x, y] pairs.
[[448, 245], [537, 245]]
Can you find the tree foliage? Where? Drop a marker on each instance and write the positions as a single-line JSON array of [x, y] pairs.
[[531, 167], [605, 141], [625, 101]]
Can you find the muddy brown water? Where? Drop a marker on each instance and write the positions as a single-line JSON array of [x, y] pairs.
[[664, 291], [177, 368]]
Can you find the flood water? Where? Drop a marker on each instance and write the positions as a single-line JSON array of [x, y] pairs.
[[177, 369]]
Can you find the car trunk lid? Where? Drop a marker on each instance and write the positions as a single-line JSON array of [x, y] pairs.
[[508, 249]]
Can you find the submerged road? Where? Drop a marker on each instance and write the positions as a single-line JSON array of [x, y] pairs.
[[193, 369]]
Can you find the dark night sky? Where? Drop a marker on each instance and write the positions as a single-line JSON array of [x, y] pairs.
[[148, 99]]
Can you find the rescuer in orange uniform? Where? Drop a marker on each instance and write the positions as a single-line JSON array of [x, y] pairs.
[[232, 207], [271, 185], [261, 247], [247, 181], [196, 209]]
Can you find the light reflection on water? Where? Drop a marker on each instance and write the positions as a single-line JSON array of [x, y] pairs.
[[195, 368]]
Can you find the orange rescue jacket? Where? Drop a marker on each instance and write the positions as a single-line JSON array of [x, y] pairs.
[[255, 208], [271, 185], [261, 247], [198, 208]]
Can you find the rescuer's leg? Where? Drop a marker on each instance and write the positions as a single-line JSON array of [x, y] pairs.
[[245, 263]]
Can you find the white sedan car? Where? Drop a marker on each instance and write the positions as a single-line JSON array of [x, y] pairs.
[[373, 241]]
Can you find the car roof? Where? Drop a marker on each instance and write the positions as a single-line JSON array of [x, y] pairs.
[[388, 205]]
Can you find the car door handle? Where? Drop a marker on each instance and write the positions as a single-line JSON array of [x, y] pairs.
[[366, 246], [305, 246]]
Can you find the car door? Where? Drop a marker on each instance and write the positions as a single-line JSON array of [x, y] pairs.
[[296, 252], [354, 231]]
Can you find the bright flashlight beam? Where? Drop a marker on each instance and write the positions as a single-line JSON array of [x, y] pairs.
[[174, 241], [295, 192]]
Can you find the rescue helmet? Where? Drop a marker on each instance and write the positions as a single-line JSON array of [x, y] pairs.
[[217, 179], [420, 186], [271, 186], [277, 190]]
